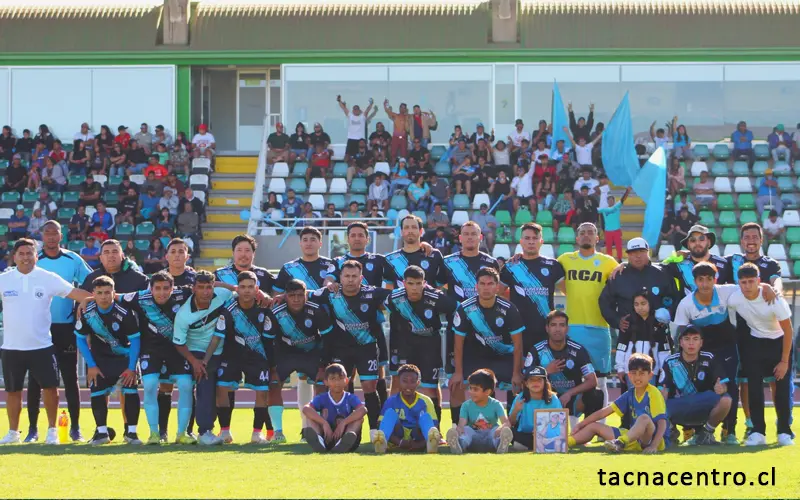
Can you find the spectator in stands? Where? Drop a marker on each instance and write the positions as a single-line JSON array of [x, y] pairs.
[[144, 138], [18, 224], [103, 145], [676, 180], [175, 184], [501, 158], [795, 143], [488, 224], [155, 183], [563, 210], [402, 125], [46, 203], [156, 259], [169, 201], [455, 137], [35, 176], [441, 242], [165, 220], [45, 137], [184, 141], [203, 143], [378, 154], [35, 224], [774, 227], [780, 144], [438, 218], [25, 145], [522, 190], [162, 137], [308, 215], [197, 204], [562, 155], [742, 140], [480, 135], [400, 177], [501, 188], [320, 162], [277, 145], [16, 177], [602, 191], [586, 180], [125, 215], [518, 135], [440, 192], [53, 176], [612, 232], [334, 216], [419, 195], [179, 158], [40, 152], [583, 127], [659, 137], [103, 217], [148, 202], [159, 170], [137, 158], [545, 191], [543, 133], [583, 149], [681, 143], [378, 193], [421, 125], [352, 211], [769, 193], [160, 150], [79, 158], [378, 217], [125, 186], [188, 224], [7, 143], [460, 153], [704, 195], [419, 157], [292, 205], [380, 137], [682, 226], [298, 144], [57, 153], [360, 163], [463, 175], [117, 161], [482, 151], [319, 136], [78, 224], [91, 253], [356, 125], [684, 202], [667, 226], [97, 232], [586, 207], [90, 191], [123, 138]]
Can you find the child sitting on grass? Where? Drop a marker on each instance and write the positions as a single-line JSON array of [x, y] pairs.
[[648, 412], [408, 418], [478, 429], [334, 417], [536, 395]]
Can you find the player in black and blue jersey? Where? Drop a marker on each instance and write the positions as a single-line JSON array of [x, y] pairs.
[[488, 334], [311, 268], [177, 256], [416, 319], [112, 357], [247, 353], [297, 325], [352, 343], [413, 253]]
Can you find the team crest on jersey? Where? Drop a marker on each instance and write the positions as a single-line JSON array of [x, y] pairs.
[[545, 272], [267, 322], [596, 262], [370, 266], [364, 308], [570, 364], [428, 313], [323, 274], [261, 317], [221, 323], [145, 364], [129, 296], [175, 308], [499, 322], [457, 320], [331, 268], [529, 360], [701, 375], [425, 264], [115, 326], [220, 371], [308, 323], [78, 325], [656, 290], [666, 301]]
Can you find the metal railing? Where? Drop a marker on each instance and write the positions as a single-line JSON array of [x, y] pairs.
[[260, 180]]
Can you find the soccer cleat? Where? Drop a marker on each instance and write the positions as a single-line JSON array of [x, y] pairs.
[[100, 438], [258, 438], [785, 440], [379, 442], [192, 435], [52, 436], [209, 439], [111, 433], [692, 441], [730, 439], [614, 445], [12, 437], [226, 436], [278, 437], [314, 440], [33, 436], [185, 438], [132, 438], [155, 438], [453, 443], [345, 444], [506, 436], [164, 437], [705, 438], [755, 439], [76, 436], [434, 436]]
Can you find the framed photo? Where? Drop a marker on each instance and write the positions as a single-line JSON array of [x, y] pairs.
[[550, 430]]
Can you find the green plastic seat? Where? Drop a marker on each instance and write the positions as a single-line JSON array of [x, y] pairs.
[[760, 167], [785, 184], [518, 235], [142, 245], [76, 180], [719, 169], [794, 252], [707, 218], [111, 198], [761, 151], [145, 230], [793, 235], [564, 248], [781, 169], [504, 234], [299, 171], [747, 216], [746, 201], [503, 217], [700, 151], [740, 169], [114, 181], [29, 198], [796, 169], [730, 236], [124, 231], [340, 169], [70, 198], [721, 152], [398, 202], [422, 215], [523, 216], [437, 152], [3, 230], [566, 235], [726, 219], [182, 177], [65, 214], [548, 235], [358, 198], [359, 185], [10, 199], [544, 218], [725, 202], [796, 268], [299, 186], [338, 201], [442, 169], [461, 202]]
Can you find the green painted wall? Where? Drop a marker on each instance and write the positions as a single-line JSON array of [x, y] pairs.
[[183, 98]]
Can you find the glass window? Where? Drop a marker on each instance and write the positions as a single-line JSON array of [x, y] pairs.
[[505, 105]]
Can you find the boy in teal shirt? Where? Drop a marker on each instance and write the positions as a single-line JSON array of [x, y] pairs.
[[478, 429], [613, 228]]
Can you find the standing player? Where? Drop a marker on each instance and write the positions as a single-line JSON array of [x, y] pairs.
[[488, 334], [245, 327], [416, 318], [311, 268], [297, 325], [698, 242], [112, 357], [586, 274], [413, 253], [73, 269], [351, 343]]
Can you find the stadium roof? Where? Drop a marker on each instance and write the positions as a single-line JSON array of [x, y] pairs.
[[341, 7], [660, 6]]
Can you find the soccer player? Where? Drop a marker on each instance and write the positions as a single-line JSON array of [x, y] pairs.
[[482, 424], [700, 399], [297, 325], [195, 324], [335, 417], [769, 352], [159, 361], [73, 269], [407, 420], [351, 343], [416, 319], [113, 356], [568, 366], [246, 329], [650, 430], [413, 253], [488, 334], [311, 268], [586, 274]]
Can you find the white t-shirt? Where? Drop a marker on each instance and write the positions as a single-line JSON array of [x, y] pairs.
[[604, 190], [688, 312], [203, 141], [83, 137], [584, 154], [523, 185], [773, 227], [592, 183], [26, 307], [356, 125], [516, 137], [762, 318]]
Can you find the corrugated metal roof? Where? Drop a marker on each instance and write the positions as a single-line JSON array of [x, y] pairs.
[[660, 6], [76, 9], [336, 7]]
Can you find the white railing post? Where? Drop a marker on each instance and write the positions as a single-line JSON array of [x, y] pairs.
[[261, 176]]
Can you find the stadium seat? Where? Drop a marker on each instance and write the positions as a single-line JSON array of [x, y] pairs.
[[279, 169], [277, 185], [747, 216], [777, 251], [317, 201], [544, 218], [459, 217], [746, 201], [791, 218], [730, 235], [90, 211], [721, 152], [29, 198], [726, 219], [504, 217], [707, 218], [732, 248], [338, 185], [566, 235], [75, 180], [318, 186], [715, 251], [719, 169], [70, 199], [124, 231], [547, 251], [697, 167], [501, 250], [725, 202], [201, 166], [794, 252], [785, 184], [761, 151], [142, 245], [548, 235], [722, 185], [358, 198], [145, 230], [461, 202], [740, 168], [437, 152], [10, 199], [199, 182], [479, 200], [75, 246], [760, 167], [742, 185], [339, 150], [5, 215], [138, 179], [298, 185], [442, 170], [422, 215], [112, 198], [338, 201], [398, 202], [700, 151], [382, 167], [793, 235], [518, 249], [340, 169], [797, 268], [3, 231], [785, 270], [665, 251], [564, 248], [359, 185], [65, 214], [503, 234], [523, 216], [781, 169], [101, 179], [299, 170], [796, 167], [201, 195]]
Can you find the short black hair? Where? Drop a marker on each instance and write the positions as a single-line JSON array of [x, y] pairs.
[[312, 231], [639, 361], [24, 242], [490, 272], [412, 217], [556, 313], [246, 275], [204, 276], [751, 225], [162, 276], [352, 264], [748, 270], [483, 378], [103, 281], [177, 241], [295, 285], [408, 368], [335, 369], [704, 269], [414, 272], [109, 241], [531, 226], [356, 225], [242, 237]]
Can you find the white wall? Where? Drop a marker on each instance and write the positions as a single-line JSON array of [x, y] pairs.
[[64, 97]]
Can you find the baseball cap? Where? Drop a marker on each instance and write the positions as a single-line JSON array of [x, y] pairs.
[[518, 122], [768, 171], [637, 244], [535, 371], [122, 127], [698, 228], [20, 207], [202, 126], [690, 328], [480, 124], [779, 127], [401, 160]]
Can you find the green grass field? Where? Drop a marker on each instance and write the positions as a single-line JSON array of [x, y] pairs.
[[242, 470]]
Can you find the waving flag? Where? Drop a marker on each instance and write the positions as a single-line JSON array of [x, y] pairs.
[[650, 185], [559, 121], [619, 153]]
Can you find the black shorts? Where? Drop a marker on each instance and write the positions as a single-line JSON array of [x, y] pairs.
[[256, 374], [352, 147], [40, 363], [449, 359], [425, 353], [64, 338], [291, 360], [111, 368], [383, 349], [158, 360], [502, 366], [177, 365], [462, 177], [363, 358], [316, 171]]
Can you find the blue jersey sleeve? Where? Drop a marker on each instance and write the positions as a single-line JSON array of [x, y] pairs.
[[318, 403], [622, 404]]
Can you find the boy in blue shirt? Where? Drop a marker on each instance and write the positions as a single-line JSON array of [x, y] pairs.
[[647, 409], [334, 417], [478, 429], [537, 394], [408, 418]]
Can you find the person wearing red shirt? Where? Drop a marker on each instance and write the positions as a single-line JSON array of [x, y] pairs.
[[320, 163], [158, 169], [58, 154], [123, 138]]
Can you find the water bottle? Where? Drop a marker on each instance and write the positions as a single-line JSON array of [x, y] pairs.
[[63, 428]]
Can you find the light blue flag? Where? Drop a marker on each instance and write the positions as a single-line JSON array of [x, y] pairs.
[[651, 185], [559, 121], [619, 153]]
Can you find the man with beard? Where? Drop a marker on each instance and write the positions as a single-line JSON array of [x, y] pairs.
[[698, 244]]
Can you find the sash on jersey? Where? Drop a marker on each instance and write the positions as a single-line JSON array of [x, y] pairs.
[[95, 322], [466, 279], [252, 337], [418, 327], [485, 335], [352, 323], [529, 283]]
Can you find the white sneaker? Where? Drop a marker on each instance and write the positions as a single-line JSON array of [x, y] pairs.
[[12, 437], [755, 439], [434, 436], [258, 438], [379, 442], [452, 441], [52, 436], [226, 436], [209, 439], [785, 440], [506, 436]]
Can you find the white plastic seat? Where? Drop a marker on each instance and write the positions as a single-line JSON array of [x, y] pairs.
[[201, 165], [280, 169], [317, 201], [722, 185], [318, 185], [791, 218], [732, 249], [697, 167], [137, 179], [785, 269], [90, 211], [277, 185], [113, 212], [545, 251], [201, 195], [501, 250], [6, 213], [777, 251], [665, 251], [339, 151], [268, 231], [714, 251], [382, 167], [402, 213], [742, 185], [198, 180], [101, 179], [338, 185], [480, 199], [459, 218]]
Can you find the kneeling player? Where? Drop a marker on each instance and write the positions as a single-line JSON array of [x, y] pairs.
[[335, 417], [408, 419], [648, 412], [112, 358], [247, 351]]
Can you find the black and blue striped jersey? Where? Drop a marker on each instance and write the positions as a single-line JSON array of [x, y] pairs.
[[398, 261], [302, 331], [312, 273], [110, 331], [355, 319], [423, 317], [459, 273], [156, 321], [488, 331]]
